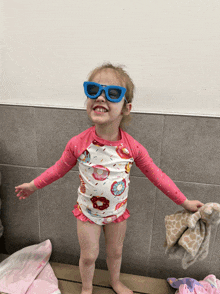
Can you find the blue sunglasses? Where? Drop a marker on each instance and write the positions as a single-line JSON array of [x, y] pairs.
[[112, 93]]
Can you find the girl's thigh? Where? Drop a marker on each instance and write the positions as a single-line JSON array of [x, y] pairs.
[[88, 235], [115, 234]]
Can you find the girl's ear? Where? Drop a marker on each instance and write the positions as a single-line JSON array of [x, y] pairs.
[[127, 109]]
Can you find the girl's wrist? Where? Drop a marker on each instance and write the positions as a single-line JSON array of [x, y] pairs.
[[33, 186], [184, 204]]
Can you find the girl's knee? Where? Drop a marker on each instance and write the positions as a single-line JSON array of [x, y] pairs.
[[88, 258], [114, 252]]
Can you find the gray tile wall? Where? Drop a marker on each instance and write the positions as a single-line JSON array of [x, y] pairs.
[[186, 148]]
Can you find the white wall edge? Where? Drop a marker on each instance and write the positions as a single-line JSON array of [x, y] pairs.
[[211, 115]]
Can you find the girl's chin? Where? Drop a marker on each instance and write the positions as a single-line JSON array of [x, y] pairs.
[[98, 119], [99, 115]]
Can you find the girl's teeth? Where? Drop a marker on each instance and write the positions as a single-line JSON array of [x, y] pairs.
[[100, 109]]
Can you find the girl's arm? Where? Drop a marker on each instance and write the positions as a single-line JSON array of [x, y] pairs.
[[59, 169], [162, 181], [55, 172]]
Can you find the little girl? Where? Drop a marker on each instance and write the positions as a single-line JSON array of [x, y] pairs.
[[105, 153]]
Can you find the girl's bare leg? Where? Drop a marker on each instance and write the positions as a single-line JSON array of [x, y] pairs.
[[114, 238], [88, 235]]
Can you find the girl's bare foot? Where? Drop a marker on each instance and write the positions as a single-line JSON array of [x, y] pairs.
[[86, 291], [120, 288]]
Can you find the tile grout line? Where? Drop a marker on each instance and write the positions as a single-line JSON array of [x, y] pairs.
[[32, 109], [184, 182], [32, 167], [155, 191], [100, 286], [162, 140], [75, 170], [205, 184]]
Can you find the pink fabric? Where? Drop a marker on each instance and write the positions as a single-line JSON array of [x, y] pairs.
[[210, 285], [27, 271], [78, 144], [206, 289], [45, 282], [78, 214]]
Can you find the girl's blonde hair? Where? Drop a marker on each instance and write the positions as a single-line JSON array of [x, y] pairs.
[[127, 82]]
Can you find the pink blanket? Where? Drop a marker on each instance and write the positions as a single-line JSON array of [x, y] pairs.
[[28, 271], [210, 285]]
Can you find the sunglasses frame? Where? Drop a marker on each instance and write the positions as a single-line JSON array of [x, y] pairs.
[[105, 88]]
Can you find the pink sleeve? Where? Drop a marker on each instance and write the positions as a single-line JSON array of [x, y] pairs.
[[155, 175], [60, 168]]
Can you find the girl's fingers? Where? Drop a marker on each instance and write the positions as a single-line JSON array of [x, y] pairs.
[[22, 193], [22, 196], [17, 189]]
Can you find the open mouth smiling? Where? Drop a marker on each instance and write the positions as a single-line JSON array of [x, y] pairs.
[[100, 109]]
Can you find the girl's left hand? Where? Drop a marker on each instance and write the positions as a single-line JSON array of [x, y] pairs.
[[192, 205]]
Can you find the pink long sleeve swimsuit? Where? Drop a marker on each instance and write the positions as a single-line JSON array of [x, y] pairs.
[[104, 168]]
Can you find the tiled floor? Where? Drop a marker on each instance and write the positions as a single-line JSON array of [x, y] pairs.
[[70, 282]]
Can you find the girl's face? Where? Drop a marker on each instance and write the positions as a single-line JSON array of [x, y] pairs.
[[100, 110]]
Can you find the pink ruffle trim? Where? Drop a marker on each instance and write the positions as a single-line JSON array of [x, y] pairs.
[[78, 214]]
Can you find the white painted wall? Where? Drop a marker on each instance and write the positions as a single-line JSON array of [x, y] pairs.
[[170, 48]]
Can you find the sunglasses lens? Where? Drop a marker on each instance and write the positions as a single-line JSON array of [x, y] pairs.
[[92, 90], [114, 93]]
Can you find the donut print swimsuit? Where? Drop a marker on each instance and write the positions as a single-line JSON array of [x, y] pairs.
[[102, 195], [104, 172]]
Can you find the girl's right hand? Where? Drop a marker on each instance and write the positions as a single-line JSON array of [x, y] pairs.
[[25, 190]]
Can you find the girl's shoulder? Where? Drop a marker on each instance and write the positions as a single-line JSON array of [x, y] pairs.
[[129, 139], [133, 145], [80, 142]]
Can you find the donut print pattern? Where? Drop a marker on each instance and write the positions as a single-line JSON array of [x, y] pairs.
[[128, 167], [82, 185], [123, 152], [118, 188], [100, 203], [92, 213], [119, 205], [109, 219], [85, 156], [100, 173], [96, 143], [79, 208]]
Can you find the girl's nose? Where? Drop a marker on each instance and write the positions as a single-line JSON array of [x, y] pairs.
[[101, 96]]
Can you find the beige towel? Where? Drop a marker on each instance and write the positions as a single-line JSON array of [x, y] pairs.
[[188, 234]]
